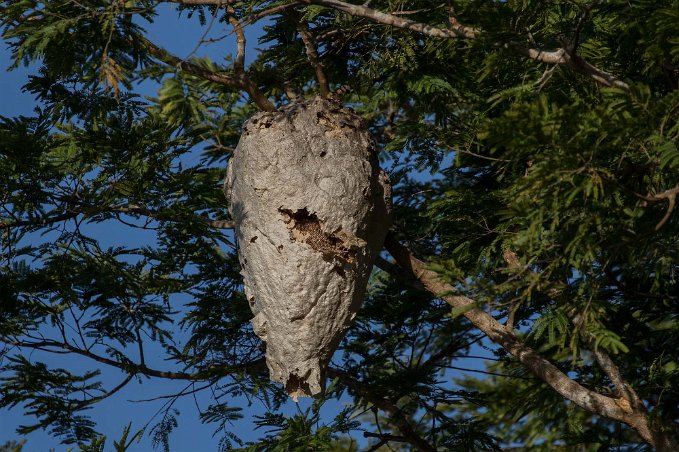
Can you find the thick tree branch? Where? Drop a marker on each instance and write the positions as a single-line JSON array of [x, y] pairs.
[[623, 389], [459, 31], [618, 409], [662, 440]]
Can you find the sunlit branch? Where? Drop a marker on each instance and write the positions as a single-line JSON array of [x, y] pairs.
[[459, 31], [668, 195], [613, 408]]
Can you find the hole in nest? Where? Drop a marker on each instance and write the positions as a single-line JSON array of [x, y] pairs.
[[306, 227], [340, 271], [323, 154], [297, 386], [253, 240]]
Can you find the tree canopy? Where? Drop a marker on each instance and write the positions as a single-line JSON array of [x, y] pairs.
[[532, 147]]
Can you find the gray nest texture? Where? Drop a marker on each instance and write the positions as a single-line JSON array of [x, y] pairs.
[[312, 209]]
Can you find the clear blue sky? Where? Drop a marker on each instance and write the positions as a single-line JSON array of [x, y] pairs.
[[181, 37]]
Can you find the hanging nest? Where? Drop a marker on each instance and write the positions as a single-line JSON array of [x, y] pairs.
[[312, 209]]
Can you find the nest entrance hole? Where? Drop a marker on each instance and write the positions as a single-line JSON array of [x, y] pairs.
[[297, 387], [305, 227]]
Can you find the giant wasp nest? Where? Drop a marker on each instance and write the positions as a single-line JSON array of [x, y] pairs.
[[311, 209]]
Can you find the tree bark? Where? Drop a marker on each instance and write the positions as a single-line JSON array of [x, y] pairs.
[[618, 409]]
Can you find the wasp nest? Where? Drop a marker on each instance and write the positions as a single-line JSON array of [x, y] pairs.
[[311, 208]]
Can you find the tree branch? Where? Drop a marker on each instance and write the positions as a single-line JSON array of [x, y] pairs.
[[130, 209], [172, 60], [459, 31], [239, 62], [40, 221], [617, 409], [668, 195], [397, 418], [249, 19], [239, 65], [311, 52], [389, 19], [106, 395], [132, 368], [201, 2], [383, 439], [240, 82], [254, 17], [135, 209]]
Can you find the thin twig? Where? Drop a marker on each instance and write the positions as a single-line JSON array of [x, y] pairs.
[[181, 393], [254, 17], [311, 52], [384, 438], [238, 82], [239, 62], [131, 367], [487, 372], [399, 22], [108, 394], [396, 416]]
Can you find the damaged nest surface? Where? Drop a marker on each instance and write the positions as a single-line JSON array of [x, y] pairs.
[[312, 209]]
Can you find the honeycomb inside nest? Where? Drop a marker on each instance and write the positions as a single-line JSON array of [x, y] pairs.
[[307, 228]]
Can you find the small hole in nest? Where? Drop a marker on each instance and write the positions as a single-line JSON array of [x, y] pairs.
[[253, 240], [297, 387], [323, 154]]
